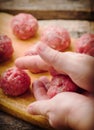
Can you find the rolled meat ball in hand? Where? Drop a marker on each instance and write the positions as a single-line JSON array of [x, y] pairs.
[[85, 44], [44, 88], [24, 26], [61, 83], [56, 37], [6, 48]]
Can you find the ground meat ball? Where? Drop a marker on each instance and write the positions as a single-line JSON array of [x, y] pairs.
[[85, 44], [14, 82], [56, 37], [60, 83], [24, 26], [6, 48]]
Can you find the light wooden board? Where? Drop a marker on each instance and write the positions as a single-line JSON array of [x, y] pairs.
[[17, 106]]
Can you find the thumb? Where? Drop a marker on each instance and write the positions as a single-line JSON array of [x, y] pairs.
[[78, 66], [39, 107], [51, 56]]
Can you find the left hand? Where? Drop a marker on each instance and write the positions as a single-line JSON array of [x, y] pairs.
[[66, 110]]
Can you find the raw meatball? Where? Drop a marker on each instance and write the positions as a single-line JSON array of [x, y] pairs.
[[6, 48], [14, 82], [56, 37], [24, 26], [61, 83], [85, 44]]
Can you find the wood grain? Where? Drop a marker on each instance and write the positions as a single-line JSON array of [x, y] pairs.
[[51, 9], [16, 106]]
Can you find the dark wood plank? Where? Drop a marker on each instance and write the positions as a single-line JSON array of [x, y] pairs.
[[51, 9], [8, 122]]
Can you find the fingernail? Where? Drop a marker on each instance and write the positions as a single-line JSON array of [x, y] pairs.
[[41, 47]]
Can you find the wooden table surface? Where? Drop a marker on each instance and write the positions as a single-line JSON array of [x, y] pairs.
[[82, 12], [8, 122], [51, 9]]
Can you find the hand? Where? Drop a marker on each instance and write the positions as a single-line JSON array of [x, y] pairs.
[[78, 66], [73, 110], [66, 110]]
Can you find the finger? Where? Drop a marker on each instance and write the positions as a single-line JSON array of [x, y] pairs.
[[39, 90], [70, 114], [60, 61], [78, 66], [48, 54], [39, 108], [34, 63], [65, 113], [45, 81]]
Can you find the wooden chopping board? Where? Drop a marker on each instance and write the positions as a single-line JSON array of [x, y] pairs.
[[17, 105]]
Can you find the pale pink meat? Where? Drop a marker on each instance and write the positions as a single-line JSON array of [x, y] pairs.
[[24, 26], [56, 37], [44, 88], [6, 48], [85, 44], [61, 83], [14, 82]]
